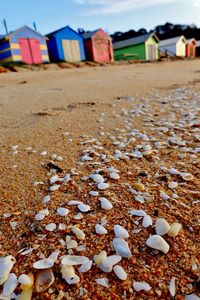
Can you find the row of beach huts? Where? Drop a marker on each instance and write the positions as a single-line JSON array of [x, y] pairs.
[[65, 44]]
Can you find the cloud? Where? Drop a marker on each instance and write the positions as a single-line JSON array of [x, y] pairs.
[[196, 3], [104, 7]]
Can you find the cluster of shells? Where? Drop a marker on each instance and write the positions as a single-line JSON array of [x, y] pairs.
[[44, 277], [41, 276]]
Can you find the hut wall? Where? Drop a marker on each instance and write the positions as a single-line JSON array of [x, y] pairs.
[[89, 50], [70, 35], [151, 45], [191, 50], [181, 48], [102, 47], [53, 50], [135, 52], [5, 52]]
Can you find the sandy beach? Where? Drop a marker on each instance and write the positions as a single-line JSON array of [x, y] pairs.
[[139, 122]]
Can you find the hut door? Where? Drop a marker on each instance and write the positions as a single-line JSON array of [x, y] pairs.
[[152, 52], [35, 50], [30, 51], [71, 50], [25, 51]]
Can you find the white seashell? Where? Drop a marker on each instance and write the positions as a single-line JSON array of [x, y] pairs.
[[6, 264], [7, 215], [94, 193], [162, 226], [105, 203], [164, 195], [43, 153], [147, 221], [194, 266], [44, 279], [110, 261], [99, 258], [54, 255], [10, 285], [86, 158], [114, 175], [119, 272], [103, 186], [67, 238], [67, 271], [78, 232], [43, 264], [187, 176], [172, 287], [100, 229], [121, 232], [192, 297], [85, 267], [72, 279], [78, 216], [50, 227], [15, 147], [62, 226], [97, 178], [40, 216], [73, 260], [59, 158], [53, 156], [158, 243], [103, 281], [141, 286], [121, 247], [26, 251], [83, 207], [54, 187], [61, 211], [46, 199], [24, 279], [53, 179], [138, 213], [80, 248], [172, 185], [174, 229], [72, 244], [74, 202], [13, 225], [173, 171]]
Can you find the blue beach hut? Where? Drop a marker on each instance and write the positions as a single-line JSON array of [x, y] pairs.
[[65, 44], [23, 45]]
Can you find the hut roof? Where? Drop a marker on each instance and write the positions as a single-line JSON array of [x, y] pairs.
[[65, 27], [172, 40], [89, 34], [189, 41], [7, 36], [135, 41]]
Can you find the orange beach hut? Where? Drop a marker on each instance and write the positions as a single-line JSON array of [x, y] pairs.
[[191, 48]]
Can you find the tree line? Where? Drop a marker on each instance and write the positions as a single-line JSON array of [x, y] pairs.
[[168, 30]]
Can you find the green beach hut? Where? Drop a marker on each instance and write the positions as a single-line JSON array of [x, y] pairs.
[[144, 47]]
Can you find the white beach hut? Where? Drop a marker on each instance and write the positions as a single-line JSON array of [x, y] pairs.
[[174, 47]]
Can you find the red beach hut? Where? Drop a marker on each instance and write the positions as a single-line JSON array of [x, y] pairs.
[[98, 46], [191, 48]]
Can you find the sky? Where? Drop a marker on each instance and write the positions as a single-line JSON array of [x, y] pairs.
[[111, 15]]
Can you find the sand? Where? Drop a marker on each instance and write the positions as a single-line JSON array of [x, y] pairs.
[[54, 111]]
